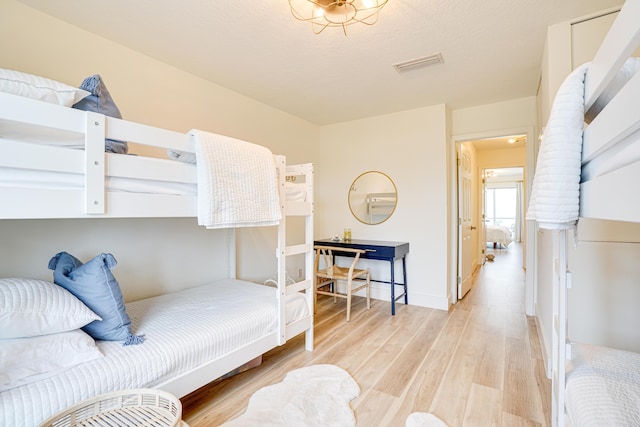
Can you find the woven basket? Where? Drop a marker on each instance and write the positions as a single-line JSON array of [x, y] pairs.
[[137, 407]]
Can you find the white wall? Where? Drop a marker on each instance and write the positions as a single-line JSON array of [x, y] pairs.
[[410, 147], [155, 256]]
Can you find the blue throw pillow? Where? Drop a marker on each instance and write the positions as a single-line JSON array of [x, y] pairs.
[[94, 285], [100, 101]]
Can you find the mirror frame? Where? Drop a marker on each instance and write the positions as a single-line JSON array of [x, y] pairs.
[[354, 187]]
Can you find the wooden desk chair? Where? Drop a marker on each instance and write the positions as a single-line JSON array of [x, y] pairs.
[[328, 277]]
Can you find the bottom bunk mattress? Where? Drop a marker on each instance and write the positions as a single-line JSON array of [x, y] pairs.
[[182, 330], [603, 387]]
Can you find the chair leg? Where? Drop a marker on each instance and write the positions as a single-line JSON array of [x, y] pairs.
[[368, 290], [349, 300]]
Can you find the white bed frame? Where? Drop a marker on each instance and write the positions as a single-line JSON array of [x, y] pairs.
[[25, 120], [380, 205], [601, 197], [498, 234]]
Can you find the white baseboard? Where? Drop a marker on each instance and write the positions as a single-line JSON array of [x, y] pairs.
[[381, 291]]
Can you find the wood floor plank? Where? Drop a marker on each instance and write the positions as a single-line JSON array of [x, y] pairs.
[[510, 420], [453, 393], [374, 408], [419, 396], [484, 408], [403, 367], [391, 339], [490, 368], [521, 396]]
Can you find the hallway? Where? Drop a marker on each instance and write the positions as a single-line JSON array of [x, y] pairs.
[[500, 346]]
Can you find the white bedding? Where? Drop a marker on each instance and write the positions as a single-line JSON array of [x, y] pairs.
[[237, 182], [34, 179], [603, 387], [13, 177], [554, 201], [182, 330], [498, 234]]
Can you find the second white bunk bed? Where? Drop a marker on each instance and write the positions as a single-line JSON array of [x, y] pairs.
[[42, 178], [589, 167]]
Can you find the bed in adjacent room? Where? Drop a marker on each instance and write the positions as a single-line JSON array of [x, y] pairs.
[[498, 235]]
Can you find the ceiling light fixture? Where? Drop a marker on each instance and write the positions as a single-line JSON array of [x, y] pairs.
[[336, 13]]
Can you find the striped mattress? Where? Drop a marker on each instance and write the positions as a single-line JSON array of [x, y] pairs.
[[182, 330]]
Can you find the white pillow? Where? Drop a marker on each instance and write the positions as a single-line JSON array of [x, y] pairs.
[[26, 360], [30, 307], [36, 87], [181, 156]]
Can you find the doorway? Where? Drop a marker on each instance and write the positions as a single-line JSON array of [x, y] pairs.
[[502, 210], [489, 152]]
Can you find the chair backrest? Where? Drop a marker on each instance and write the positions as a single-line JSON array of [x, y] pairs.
[[326, 252]]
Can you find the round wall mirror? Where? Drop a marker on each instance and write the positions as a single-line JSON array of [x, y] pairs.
[[373, 197]]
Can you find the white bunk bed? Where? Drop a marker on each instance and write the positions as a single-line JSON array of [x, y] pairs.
[[42, 178], [588, 167], [380, 206]]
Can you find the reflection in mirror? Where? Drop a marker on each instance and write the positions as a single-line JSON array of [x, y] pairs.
[[373, 197]]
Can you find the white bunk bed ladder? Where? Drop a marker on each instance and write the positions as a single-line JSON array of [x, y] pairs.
[[305, 209], [561, 345]]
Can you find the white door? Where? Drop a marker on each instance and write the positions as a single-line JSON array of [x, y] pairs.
[[483, 218], [465, 227]]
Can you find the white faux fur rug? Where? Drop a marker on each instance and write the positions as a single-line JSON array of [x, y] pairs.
[[317, 395], [424, 419]]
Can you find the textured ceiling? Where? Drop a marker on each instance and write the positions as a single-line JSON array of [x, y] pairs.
[[492, 49]]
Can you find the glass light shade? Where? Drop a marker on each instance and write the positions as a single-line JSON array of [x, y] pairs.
[[336, 13]]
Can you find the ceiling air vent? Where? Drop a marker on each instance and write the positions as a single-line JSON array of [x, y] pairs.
[[425, 61]]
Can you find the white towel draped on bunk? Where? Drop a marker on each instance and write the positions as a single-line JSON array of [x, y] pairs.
[[555, 195], [237, 182]]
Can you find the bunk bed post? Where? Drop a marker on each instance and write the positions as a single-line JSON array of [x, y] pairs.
[[94, 163], [309, 260], [281, 252], [233, 265], [561, 281]]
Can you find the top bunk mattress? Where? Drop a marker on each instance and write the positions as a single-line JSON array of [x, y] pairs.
[[179, 179], [182, 330]]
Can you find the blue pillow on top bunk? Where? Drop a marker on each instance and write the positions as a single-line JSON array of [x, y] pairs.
[[100, 101], [94, 285]]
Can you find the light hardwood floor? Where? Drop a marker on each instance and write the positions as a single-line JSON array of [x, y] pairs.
[[477, 365]]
